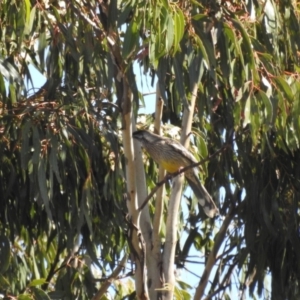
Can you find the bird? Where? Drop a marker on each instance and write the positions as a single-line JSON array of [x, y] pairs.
[[173, 156]]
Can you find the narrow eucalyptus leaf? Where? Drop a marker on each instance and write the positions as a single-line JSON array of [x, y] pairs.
[[37, 282], [4, 253], [39, 294], [130, 40], [268, 107], [42, 181], [170, 34]]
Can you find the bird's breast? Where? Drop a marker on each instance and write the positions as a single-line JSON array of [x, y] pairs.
[[166, 156], [170, 166]]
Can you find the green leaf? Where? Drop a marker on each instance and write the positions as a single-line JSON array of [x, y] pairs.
[[211, 53], [53, 158], [282, 85], [196, 68], [170, 34], [91, 250], [12, 94], [20, 19], [57, 294], [11, 74], [37, 282], [30, 22], [199, 17], [179, 77], [202, 49], [36, 272], [25, 150], [25, 297], [4, 253], [161, 74], [233, 43], [125, 14], [4, 283], [268, 107], [42, 45], [181, 294], [296, 120], [178, 29], [130, 40], [184, 285], [2, 86], [36, 145], [247, 112], [43, 187], [225, 57], [28, 19], [39, 294], [164, 16], [85, 203], [248, 50]]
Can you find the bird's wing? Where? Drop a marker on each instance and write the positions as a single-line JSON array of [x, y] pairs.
[[179, 148]]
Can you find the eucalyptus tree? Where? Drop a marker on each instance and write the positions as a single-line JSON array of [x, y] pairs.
[[76, 221]]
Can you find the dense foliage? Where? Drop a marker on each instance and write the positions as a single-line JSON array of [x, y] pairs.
[[63, 223]]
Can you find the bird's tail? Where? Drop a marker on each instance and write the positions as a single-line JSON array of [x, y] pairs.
[[204, 198]]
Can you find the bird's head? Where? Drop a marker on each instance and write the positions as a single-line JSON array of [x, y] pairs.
[[144, 136], [140, 135]]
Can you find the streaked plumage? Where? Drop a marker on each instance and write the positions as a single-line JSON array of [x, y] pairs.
[[172, 156]]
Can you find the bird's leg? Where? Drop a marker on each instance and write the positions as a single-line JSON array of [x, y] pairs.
[[179, 172], [169, 177]]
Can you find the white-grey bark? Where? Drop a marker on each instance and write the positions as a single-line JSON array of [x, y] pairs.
[[174, 203]]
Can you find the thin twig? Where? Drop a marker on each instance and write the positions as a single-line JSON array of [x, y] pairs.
[[104, 287], [86, 18], [128, 274], [213, 254], [217, 291], [226, 280], [191, 272], [158, 185]]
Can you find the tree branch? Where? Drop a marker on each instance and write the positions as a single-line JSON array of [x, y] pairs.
[[220, 289], [154, 267], [132, 202], [213, 255], [111, 278], [161, 174], [174, 203]]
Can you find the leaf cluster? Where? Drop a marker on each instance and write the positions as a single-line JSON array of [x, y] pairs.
[[62, 175]]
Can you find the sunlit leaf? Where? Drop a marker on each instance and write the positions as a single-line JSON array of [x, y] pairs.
[[130, 39], [247, 112], [37, 282], [268, 106], [179, 28], [284, 88], [169, 33], [25, 297], [28, 24]]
